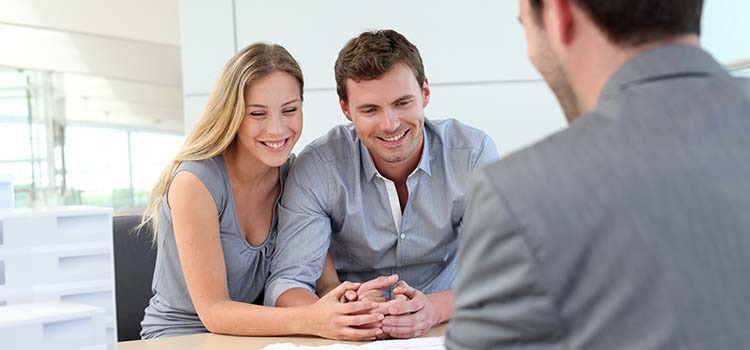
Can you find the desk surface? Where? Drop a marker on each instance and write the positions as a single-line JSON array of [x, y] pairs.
[[228, 342]]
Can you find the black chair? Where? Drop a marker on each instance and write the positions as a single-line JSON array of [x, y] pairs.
[[135, 258]]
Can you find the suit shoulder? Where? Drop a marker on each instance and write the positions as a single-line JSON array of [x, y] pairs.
[[554, 155]]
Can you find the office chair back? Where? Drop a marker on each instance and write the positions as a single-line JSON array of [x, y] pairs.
[[135, 258]]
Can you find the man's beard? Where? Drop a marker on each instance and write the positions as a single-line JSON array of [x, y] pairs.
[[557, 80], [563, 90]]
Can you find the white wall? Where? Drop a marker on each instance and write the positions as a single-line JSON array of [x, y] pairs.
[[119, 60], [726, 29], [155, 21], [474, 55]]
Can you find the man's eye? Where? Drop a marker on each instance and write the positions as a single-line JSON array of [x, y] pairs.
[[290, 110], [402, 103]]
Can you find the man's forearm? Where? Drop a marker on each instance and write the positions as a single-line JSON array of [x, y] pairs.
[[298, 297], [329, 278], [443, 303]]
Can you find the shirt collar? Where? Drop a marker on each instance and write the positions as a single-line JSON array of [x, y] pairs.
[[661, 63], [424, 161]]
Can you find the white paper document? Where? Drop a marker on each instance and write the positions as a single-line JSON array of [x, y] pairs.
[[429, 343]]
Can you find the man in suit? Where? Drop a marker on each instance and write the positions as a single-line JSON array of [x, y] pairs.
[[630, 229]]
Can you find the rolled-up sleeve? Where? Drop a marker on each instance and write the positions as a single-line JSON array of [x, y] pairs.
[[304, 229], [499, 298]]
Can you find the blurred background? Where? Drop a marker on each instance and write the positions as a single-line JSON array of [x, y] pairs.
[[97, 95]]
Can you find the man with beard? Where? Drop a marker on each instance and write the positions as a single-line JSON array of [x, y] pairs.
[[385, 193], [630, 228]]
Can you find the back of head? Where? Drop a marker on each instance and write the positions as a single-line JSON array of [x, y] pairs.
[[372, 54], [217, 127], [637, 22]]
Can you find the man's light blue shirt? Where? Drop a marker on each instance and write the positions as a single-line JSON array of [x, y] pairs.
[[334, 197]]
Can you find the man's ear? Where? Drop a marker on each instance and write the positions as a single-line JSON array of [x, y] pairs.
[[425, 93], [562, 12], [345, 109]]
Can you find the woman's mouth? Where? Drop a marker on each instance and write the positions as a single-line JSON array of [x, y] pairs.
[[275, 145]]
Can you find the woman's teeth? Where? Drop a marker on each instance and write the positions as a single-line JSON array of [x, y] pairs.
[[276, 145]]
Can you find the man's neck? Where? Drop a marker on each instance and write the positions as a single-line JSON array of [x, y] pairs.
[[600, 59], [398, 172]]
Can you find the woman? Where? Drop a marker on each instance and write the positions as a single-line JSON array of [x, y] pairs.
[[213, 210]]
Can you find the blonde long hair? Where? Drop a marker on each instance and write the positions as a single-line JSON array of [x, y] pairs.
[[217, 127]]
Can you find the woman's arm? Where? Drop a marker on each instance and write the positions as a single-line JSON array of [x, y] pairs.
[[196, 227]]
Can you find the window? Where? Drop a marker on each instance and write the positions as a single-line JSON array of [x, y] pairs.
[[55, 161], [150, 153], [115, 167]]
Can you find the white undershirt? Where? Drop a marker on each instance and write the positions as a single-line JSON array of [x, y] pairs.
[[390, 189]]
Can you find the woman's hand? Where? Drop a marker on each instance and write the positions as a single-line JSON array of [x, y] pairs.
[[332, 319]]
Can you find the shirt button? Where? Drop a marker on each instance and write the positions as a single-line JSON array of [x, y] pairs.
[[402, 236]]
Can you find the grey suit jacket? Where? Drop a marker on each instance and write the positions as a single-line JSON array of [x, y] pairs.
[[628, 230]]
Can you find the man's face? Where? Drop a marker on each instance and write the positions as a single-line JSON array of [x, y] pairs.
[[545, 60], [388, 114]]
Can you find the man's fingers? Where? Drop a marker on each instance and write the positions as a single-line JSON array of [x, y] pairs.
[[409, 320], [377, 300], [407, 333], [418, 330], [350, 295], [378, 324], [375, 293], [404, 288], [406, 307], [356, 334], [382, 336], [398, 299], [399, 332], [372, 295], [340, 290], [359, 320], [378, 283]]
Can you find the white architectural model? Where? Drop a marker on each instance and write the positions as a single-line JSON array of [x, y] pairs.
[[63, 326], [7, 197], [63, 258]]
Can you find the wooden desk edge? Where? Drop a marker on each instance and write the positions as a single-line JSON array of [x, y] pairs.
[[227, 342]]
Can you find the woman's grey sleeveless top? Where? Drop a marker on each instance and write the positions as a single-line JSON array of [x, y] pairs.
[[170, 311]]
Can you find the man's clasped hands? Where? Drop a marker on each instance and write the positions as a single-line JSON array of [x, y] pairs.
[[360, 311]]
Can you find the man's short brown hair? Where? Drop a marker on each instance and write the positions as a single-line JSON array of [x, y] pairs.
[[371, 55], [637, 22]]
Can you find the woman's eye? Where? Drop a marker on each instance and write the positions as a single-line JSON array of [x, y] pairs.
[[290, 110], [257, 114]]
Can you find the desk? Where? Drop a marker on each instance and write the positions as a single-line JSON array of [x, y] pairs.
[[205, 341]]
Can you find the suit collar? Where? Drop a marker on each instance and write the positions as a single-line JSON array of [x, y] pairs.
[[659, 63]]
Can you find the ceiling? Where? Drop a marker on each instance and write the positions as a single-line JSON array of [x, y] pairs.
[[117, 62]]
